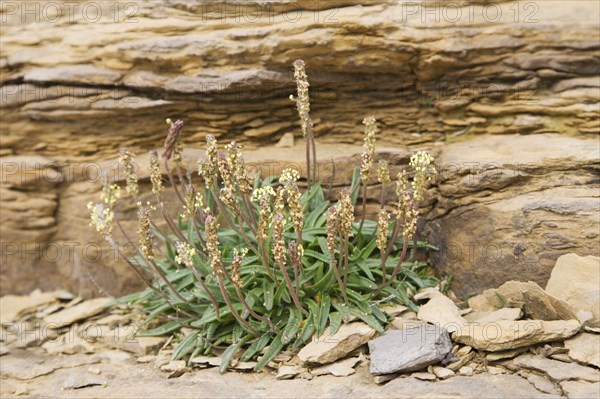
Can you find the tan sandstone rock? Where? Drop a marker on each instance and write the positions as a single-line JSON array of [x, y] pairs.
[[576, 280], [331, 347], [504, 335]]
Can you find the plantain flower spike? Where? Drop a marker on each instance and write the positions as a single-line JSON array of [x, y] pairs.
[[185, 254], [296, 252], [233, 155], [332, 222], [101, 214], [155, 175], [131, 180], [110, 192], [289, 177], [383, 173], [345, 214], [263, 192], [236, 266], [229, 199], [212, 165], [402, 194], [226, 172], [102, 218], [369, 145], [144, 232], [193, 201], [264, 219], [424, 170], [172, 140], [302, 99], [212, 244], [242, 177], [279, 250], [382, 230], [410, 220]]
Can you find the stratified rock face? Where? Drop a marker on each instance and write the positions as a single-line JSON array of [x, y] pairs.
[[28, 220], [104, 76], [508, 207]]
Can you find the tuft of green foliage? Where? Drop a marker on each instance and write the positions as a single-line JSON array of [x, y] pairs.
[[253, 268]]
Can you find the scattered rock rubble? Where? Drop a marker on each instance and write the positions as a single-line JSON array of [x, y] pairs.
[[518, 340]]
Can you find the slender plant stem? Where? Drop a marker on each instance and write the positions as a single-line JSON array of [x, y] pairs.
[[339, 279], [250, 208], [210, 295], [396, 269], [172, 180], [346, 266], [144, 278], [150, 263], [364, 207], [288, 282], [311, 138], [166, 280], [307, 162], [230, 306], [265, 259], [392, 241]]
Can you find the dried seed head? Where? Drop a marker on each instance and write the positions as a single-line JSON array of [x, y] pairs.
[[172, 139], [236, 266], [302, 100], [382, 229], [369, 145], [144, 232], [185, 254], [212, 244], [126, 158], [345, 214], [424, 170], [155, 175], [383, 173], [279, 251], [332, 222]]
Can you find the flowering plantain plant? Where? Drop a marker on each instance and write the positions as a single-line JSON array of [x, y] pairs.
[[257, 265]]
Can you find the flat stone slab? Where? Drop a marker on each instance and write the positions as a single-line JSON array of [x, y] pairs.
[[414, 347], [78, 312]]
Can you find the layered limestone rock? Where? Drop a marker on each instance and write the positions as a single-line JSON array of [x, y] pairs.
[[103, 76]]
